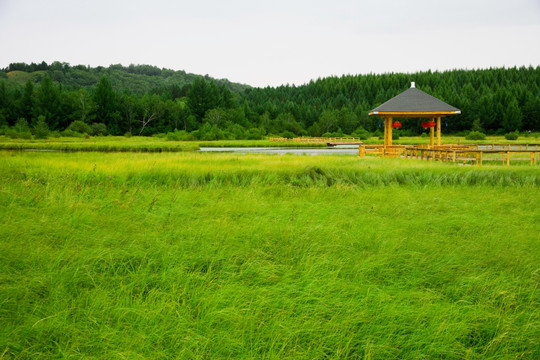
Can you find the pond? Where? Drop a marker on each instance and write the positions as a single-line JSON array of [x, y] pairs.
[[336, 150]]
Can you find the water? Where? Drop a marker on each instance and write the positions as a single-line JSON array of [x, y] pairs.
[[337, 150]]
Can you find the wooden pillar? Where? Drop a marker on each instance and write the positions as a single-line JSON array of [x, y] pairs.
[[438, 131], [431, 134], [389, 131]]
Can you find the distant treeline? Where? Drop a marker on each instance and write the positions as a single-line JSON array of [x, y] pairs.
[[146, 100]]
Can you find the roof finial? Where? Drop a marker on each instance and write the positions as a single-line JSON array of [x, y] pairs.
[[412, 84]]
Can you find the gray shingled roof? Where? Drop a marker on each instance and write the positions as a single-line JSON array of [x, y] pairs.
[[413, 99]]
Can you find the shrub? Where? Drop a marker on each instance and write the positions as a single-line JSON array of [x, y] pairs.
[[361, 133], [80, 127], [70, 133], [99, 129], [13, 134], [288, 134], [174, 136], [395, 135], [424, 135], [254, 134], [41, 129], [127, 134], [21, 126], [476, 135], [512, 135]]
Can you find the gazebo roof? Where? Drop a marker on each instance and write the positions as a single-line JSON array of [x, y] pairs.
[[414, 103]]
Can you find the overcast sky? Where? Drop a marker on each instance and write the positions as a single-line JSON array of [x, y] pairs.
[[270, 43]]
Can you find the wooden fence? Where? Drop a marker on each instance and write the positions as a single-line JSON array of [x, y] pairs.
[[473, 154], [329, 140]]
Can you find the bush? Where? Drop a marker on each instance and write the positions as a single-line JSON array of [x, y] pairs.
[[21, 126], [512, 135], [127, 134], [99, 129], [288, 134], [71, 133], [181, 135], [41, 129], [395, 135], [476, 135], [80, 127], [254, 134], [13, 134], [424, 135], [361, 133]]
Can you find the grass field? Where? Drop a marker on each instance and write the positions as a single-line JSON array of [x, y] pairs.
[[156, 144], [135, 144], [223, 256]]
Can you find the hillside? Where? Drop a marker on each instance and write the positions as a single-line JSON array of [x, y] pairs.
[[138, 79]]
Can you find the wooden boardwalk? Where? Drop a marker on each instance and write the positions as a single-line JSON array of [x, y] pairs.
[[466, 154], [330, 141]]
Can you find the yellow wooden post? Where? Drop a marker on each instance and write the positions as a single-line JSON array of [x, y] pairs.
[[431, 130], [508, 158], [385, 131], [361, 151], [389, 131], [438, 131]]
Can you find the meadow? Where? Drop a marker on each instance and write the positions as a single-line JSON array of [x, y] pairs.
[[161, 144], [223, 256]]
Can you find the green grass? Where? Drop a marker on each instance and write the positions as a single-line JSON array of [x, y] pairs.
[[209, 256], [22, 76], [156, 144], [99, 144], [258, 143]]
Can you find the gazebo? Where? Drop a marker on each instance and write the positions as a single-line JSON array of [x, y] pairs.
[[413, 103]]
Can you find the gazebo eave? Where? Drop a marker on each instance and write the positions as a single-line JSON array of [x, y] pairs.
[[414, 114]]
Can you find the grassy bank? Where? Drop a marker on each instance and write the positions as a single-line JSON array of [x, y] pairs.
[[213, 256], [99, 144], [156, 144], [135, 144]]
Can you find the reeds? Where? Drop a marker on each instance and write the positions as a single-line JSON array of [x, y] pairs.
[[189, 255]]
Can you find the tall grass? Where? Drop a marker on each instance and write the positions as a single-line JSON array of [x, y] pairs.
[[99, 144], [216, 170], [207, 256]]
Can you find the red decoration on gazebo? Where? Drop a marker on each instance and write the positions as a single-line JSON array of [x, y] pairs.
[[428, 124], [396, 124]]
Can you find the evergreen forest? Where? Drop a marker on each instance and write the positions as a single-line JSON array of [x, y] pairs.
[[146, 100]]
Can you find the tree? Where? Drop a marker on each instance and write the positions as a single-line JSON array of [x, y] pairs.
[[328, 121], [48, 102], [27, 101], [41, 130], [512, 116], [152, 109], [106, 105]]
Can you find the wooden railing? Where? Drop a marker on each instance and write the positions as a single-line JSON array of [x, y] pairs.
[[473, 154], [381, 150], [328, 140]]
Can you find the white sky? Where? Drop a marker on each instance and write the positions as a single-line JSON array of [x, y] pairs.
[[274, 42]]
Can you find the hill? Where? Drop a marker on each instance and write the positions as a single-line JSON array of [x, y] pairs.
[[137, 79]]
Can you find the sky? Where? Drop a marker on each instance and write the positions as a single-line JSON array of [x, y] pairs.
[[271, 43]]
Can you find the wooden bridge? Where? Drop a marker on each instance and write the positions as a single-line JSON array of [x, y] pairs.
[[330, 141]]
